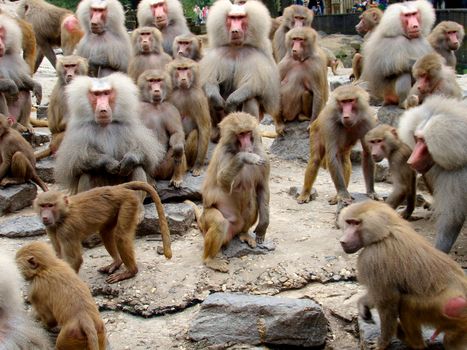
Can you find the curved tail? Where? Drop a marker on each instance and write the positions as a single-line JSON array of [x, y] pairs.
[[89, 329], [197, 212]]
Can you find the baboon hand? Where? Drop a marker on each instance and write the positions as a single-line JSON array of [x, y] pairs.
[[373, 196], [128, 164], [112, 167], [10, 87], [251, 158]]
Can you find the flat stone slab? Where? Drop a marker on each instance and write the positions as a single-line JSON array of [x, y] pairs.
[[294, 144], [22, 226], [16, 197], [37, 139], [190, 189], [180, 216], [237, 248], [45, 169], [229, 318]]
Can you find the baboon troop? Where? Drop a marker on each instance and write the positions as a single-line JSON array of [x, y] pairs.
[[165, 116]]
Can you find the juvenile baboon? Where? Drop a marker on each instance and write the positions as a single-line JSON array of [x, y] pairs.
[[15, 79], [398, 41], [165, 15], [163, 119], [106, 43], [60, 298], [437, 132], [345, 120], [446, 38], [53, 27], [190, 99], [57, 113], [295, 16], [17, 162], [433, 77], [331, 60], [383, 142], [17, 330], [147, 52], [406, 278], [114, 147], [238, 71], [304, 83], [236, 189], [110, 210], [187, 45]]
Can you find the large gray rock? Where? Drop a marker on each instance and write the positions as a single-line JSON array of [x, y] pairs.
[[16, 197], [382, 173], [45, 169], [227, 318], [337, 80], [41, 112], [294, 144], [237, 248], [190, 189], [390, 115], [179, 217], [21, 226], [37, 139]]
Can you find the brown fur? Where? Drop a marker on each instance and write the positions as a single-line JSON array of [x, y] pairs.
[[235, 190], [110, 210], [192, 48], [304, 84], [154, 58], [60, 298], [442, 44], [406, 278], [160, 116], [57, 113], [331, 143], [190, 99], [16, 157], [383, 142], [331, 60]]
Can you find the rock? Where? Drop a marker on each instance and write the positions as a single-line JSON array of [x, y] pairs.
[[22, 226], [356, 153], [179, 217], [267, 120], [337, 80], [41, 112], [16, 197], [382, 173], [369, 333], [37, 139], [227, 318], [237, 248], [390, 115], [45, 169], [294, 144], [190, 189]]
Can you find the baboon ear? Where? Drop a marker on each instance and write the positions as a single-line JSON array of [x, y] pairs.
[[66, 200], [394, 132], [33, 263]]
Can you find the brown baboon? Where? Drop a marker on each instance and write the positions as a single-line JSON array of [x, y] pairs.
[[114, 147], [238, 70], [406, 278], [105, 44], [446, 38], [331, 60], [60, 298], [165, 15], [437, 132], [17, 162], [68, 67], [147, 52], [17, 330], [395, 44], [163, 119], [295, 16], [346, 119], [190, 99], [187, 45], [236, 189], [53, 27], [110, 210], [383, 142], [303, 73]]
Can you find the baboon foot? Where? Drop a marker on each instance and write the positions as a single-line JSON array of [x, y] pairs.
[[217, 265], [120, 276], [245, 237], [110, 268]]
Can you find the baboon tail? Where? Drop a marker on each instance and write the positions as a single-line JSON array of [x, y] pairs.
[[39, 123], [165, 232], [39, 182], [197, 212], [42, 154], [89, 329]]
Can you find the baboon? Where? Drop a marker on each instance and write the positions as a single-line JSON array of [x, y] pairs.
[[68, 67], [190, 99], [105, 44], [396, 43], [406, 278], [295, 16], [53, 27], [165, 15], [303, 73], [110, 210], [17, 330], [437, 133], [446, 38], [147, 52], [433, 77], [163, 119], [383, 142], [344, 120], [187, 45], [331, 60], [235, 190], [238, 71], [17, 162], [60, 298], [114, 147]]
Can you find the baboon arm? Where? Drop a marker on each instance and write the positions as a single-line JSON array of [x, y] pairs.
[[177, 136], [96, 160], [33, 86], [6, 85], [214, 95], [263, 205], [239, 96], [203, 143], [388, 312], [228, 170], [368, 167]]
